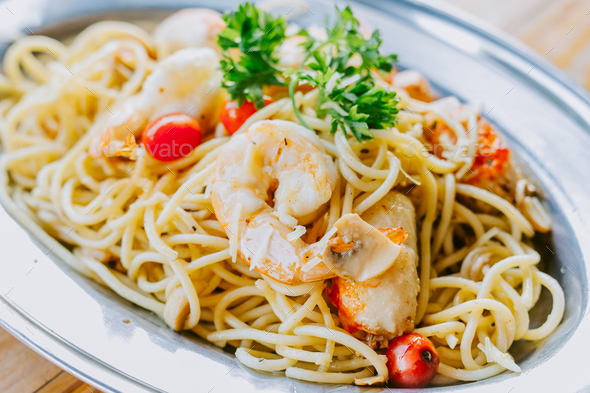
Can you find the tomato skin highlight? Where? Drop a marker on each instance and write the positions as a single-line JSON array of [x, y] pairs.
[[172, 136], [412, 361], [233, 116]]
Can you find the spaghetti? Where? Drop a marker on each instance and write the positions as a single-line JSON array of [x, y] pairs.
[[147, 229]]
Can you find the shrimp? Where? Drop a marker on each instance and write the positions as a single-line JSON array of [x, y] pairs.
[[492, 168], [287, 160], [382, 308], [277, 156], [187, 81], [191, 27], [414, 83]]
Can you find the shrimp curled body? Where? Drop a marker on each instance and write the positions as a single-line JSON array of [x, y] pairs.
[[289, 161]]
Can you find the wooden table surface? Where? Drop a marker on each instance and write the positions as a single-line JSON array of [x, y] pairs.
[[557, 29]]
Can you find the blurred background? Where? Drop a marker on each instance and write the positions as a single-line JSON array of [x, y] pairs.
[[559, 30]]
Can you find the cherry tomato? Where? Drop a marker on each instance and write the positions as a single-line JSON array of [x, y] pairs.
[[412, 361], [233, 116], [172, 136]]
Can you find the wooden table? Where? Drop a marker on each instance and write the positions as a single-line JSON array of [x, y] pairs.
[[557, 29]]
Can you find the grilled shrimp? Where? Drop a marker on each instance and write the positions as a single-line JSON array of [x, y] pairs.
[[287, 160], [492, 167], [414, 83], [191, 27], [277, 156], [187, 82], [382, 308]]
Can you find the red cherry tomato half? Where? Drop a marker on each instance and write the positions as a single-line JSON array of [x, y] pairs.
[[172, 136], [232, 116], [412, 361]]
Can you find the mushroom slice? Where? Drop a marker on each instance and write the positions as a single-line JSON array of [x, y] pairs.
[[177, 309], [360, 252]]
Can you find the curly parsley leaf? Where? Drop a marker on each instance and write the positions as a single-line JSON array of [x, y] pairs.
[[249, 62], [345, 39], [342, 66]]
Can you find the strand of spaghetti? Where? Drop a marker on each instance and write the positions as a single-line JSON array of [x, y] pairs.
[[470, 217], [470, 375], [154, 235], [263, 114], [348, 199], [520, 312], [17, 54], [425, 235], [123, 190], [125, 292], [194, 238], [246, 306], [289, 290], [127, 242], [303, 355], [201, 156], [352, 178], [97, 244], [143, 257], [271, 297], [101, 32], [441, 329], [346, 155], [348, 365], [228, 298], [451, 259], [388, 184], [412, 147], [261, 363], [289, 324], [512, 213], [316, 376], [262, 336], [446, 213], [190, 292], [182, 191], [527, 274], [151, 287], [455, 282], [505, 264], [557, 310], [256, 313], [485, 238], [347, 340], [230, 277], [330, 344], [469, 306]]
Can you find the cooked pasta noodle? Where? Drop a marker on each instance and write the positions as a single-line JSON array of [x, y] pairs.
[[147, 229]]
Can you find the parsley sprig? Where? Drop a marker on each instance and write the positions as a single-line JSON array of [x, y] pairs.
[[345, 38], [254, 35], [347, 89]]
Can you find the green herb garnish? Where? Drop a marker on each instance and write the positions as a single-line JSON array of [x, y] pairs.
[[255, 34], [348, 93]]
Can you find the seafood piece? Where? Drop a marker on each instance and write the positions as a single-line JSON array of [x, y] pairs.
[[382, 308], [188, 28], [186, 82], [287, 160], [492, 168], [414, 83]]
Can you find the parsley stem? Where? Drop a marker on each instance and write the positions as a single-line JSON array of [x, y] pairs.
[[292, 86]]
